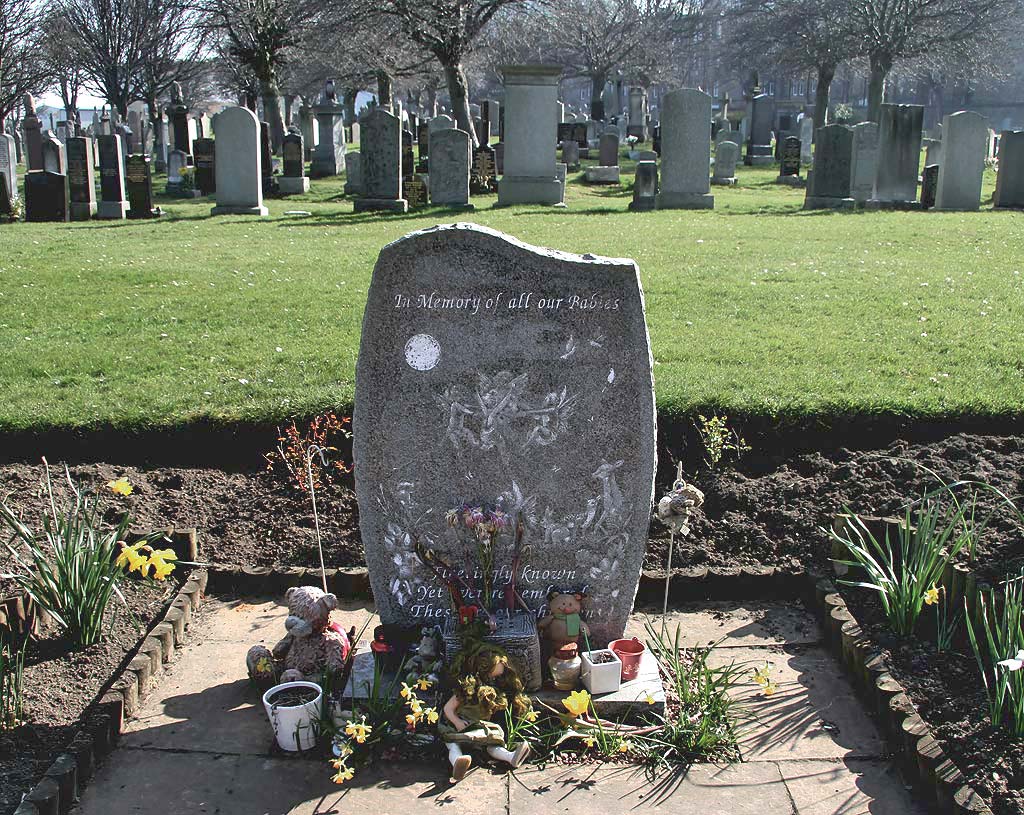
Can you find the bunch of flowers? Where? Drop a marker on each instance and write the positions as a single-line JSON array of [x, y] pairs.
[[763, 677], [417, 712], [142, 557], [485, 524]]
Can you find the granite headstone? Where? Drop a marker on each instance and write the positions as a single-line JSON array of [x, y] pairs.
[[899, 154], [963, 164], [1010, 181], [205, 164], [833, 159], [46, 196], [686, 150], [451, 152], [138, 179], [237, 163], [113, 204], [81, 178], [381, 163], [645, 187]]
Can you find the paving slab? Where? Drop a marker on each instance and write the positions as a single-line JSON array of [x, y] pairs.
[[736, 624], [734, 789], [851, 787], [813, 713]]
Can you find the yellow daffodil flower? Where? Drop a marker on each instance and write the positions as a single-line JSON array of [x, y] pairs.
[[423, 683], [431, 715], [343, 775], [120, 486], [589, 741], [411, 720], [416, 706], [532, 716], [358, 730], [770, 688], [625, 746], [577, 702], [407, 692], [159, 561], [762, 675], [130, 556], [649, 699], [931, 597]]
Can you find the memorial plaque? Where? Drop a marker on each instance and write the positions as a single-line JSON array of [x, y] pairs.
[[482, 177], [416, 192], [205, 164], [492, 372], [139, 181]]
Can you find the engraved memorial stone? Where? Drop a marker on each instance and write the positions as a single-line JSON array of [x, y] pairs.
[[239, 188], [8, 172], [929, 185], [759, 142], [293, 181], [81, 178], [727, 156], [789, 164], [205, 164], [899, 154], [963, 164], [381, 163], [415, 189], [139, 182], [353, 173], [46, 196], [865, 161], [645, 187], [833, 159], [1010, 181], [494, 372], [450, 169], [530, 136], [113, 204], [686, 151]]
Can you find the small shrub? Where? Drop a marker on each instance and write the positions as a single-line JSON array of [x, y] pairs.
[[903, 572], [70, 568], [998, 645], [12, 664], [720, 441], [301, 456], [843, 114]]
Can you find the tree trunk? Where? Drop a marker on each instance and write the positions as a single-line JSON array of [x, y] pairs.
[[154, 124], [271, 96], [598, 80], [385, 91], [458, 91], [432, 101], [826, 73], [881, 65], [349, 100]]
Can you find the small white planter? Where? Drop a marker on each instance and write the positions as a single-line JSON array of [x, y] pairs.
[[295, 727], [601, 677]]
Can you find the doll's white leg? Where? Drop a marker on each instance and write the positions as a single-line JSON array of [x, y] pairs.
[[500, 754], [460, 761]]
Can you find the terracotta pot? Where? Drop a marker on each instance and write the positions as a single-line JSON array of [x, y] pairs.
[[630, 652]]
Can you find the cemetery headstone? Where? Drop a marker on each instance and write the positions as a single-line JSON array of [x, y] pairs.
[[113, 204], [833, 159], [963, 163], [353, 173], [357, 133], [483, 175], [499, 158], [1010, 181], [139, 183], [645, 187], [865, 162], [177, 114], [929, 185], [607, 169], [806, 139], [759, 141], [531, 92], [46, 196], [237, 163], [329, 153], [306, 129], [267, 182], [686, 150], [8, 172], [571, 155], [485, 374], [727, 155], [932, 151], [423, 139], [205, 164], [408, 155], [440, 123], [415, 190], [899, 154], [637, 125], [493, 109], [293, 180], [81, 178], [177, 172], [127, 139], [381, 163], [54, 156], [33, 129], [450, 169], [789, 164]]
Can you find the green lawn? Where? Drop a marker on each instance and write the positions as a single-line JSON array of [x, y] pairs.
[[756, 307]]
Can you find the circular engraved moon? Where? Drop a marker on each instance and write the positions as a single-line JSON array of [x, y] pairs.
[[422, 352]]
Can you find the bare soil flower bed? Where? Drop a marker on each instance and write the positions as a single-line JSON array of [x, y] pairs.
[[62, 684]]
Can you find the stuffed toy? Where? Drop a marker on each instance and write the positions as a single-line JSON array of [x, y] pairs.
[[564, 625], [312, 645]]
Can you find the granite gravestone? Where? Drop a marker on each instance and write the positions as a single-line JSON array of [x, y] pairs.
[[573, 131], [329, 153], [138, 179], [607, 169], [267, 182], [497, 373], [423, 139], [727, 155], [54, 157], [8, 172], [113, 204], [637, 126], [237, 164], [963, 165], [46, 196], [899, 154], [177, 114], [353, 173], [81, 178], [759, 142], [293, 180], [381, 163], [929, 185], [205, 164], [408, 155], [450, 169], [415, 190], [833, 159], [789, 165], [806, 139], [865, 162], [686, 151], [1010, 181], [530, 136], [571, 155], [645, 187]]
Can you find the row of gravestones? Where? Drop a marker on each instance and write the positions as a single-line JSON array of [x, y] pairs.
[[64, 188], [877, 165]]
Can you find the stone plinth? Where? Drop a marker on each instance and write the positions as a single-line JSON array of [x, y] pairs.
[[530, 134]]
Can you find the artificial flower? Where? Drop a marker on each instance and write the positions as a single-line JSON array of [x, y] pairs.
[[931, 597], [120, 486], [1013, 663], [423, 683], [577, 702]]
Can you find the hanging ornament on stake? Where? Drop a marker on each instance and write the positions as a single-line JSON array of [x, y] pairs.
[[674, 510]]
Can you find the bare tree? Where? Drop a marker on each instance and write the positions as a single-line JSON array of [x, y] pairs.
[[798, 35], [62, 62], [898, 30], [21, 70]]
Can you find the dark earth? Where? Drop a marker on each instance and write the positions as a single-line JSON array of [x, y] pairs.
[[764, 509]]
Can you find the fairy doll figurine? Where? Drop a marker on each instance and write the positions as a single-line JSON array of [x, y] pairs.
[[486, 684]]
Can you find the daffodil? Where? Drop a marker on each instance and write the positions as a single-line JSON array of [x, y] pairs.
[[411, 720], [407, 692], [423, 683], [625, 746], [431, 715], [931, 597], [358, 730], [649, 699], [344, 774], [416, 706], [763, 675], [131, 557], [532, 716], [577, 702], [770, 688], [120, 486], [590, 741], [159, 561]]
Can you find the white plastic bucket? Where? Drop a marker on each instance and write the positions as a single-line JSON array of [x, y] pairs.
[[296, 727]]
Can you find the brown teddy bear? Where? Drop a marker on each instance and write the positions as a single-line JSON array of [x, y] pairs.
[[311, 645], [564, 624]]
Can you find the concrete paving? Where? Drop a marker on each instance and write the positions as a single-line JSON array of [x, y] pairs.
[[201, 742]]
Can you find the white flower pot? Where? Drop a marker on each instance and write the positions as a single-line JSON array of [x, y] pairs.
[[295, 727], [601, 677]]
